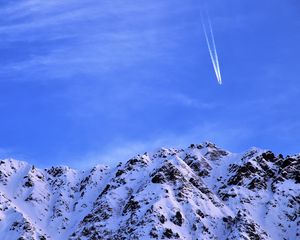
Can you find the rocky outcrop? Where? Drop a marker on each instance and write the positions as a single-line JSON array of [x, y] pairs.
[[202, 192]]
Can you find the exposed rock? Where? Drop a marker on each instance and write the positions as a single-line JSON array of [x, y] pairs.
[[202, 192]]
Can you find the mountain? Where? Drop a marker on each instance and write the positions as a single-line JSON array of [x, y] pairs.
[[201, 192]]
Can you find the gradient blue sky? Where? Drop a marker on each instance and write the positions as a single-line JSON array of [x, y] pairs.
[[96, 81]]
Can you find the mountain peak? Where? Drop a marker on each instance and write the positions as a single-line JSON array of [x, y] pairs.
[[201, 192]]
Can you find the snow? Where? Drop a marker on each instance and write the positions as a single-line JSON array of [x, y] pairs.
[[193, 197]]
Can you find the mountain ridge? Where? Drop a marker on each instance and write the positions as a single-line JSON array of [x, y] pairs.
[[201, 192]]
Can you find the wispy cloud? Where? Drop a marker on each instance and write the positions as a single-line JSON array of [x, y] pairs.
[[111, 36], [188, 101], [122, 150]]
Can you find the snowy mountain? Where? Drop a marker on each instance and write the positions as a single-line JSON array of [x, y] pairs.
[[202, 192]]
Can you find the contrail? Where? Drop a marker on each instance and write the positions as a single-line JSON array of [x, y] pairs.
[[215, 52], [212, 48]]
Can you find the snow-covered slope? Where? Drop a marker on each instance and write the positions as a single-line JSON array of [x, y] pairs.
[[202, 192]]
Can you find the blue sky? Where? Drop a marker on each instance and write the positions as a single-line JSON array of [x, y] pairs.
[[96, 81]]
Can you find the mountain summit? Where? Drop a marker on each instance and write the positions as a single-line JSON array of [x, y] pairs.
[[201, 192]]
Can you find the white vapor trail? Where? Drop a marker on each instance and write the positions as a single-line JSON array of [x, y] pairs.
[[212, 49]]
